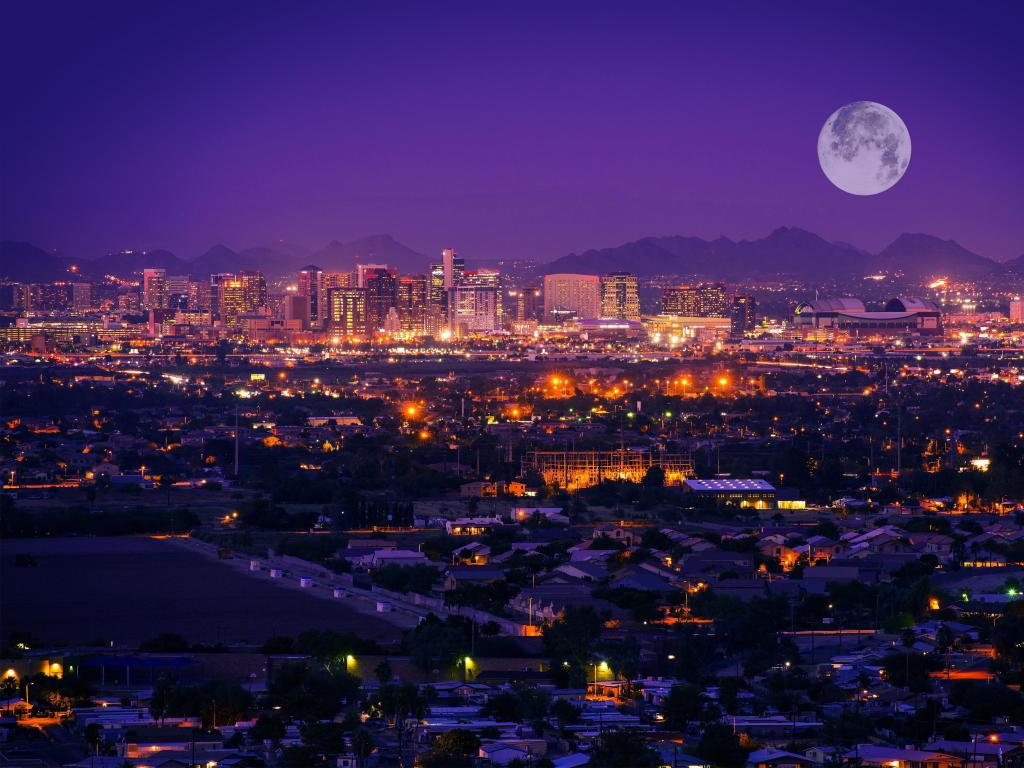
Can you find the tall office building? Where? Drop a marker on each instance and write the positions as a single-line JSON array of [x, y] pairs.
[[475, 304], [177, 292], [83, 297], [311, 288], [348, 312], [154, 288], [453, 266], [704, 300], [620, 297], [217, 281], [333, 280], [744, 315], [232, 299], [526, 303], [474, 309], [381, 286], [568, 296], [254, 288], [412, 303], [295, 307], [1017, 311]]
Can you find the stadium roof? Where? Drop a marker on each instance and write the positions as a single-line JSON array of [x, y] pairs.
[[729, 484]]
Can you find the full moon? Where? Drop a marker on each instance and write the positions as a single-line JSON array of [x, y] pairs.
[[864, 148]]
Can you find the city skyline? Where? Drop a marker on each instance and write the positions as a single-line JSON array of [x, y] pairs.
[[461, 123]]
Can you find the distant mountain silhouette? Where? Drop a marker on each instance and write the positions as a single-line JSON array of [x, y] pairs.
[[129, 262], [924, 256], [786, 251], [1016, 265], [21, 261], [375, 249]]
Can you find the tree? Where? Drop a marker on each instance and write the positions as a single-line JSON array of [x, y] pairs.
[[570, 641], [457, 741], [267, 728], [721, 747], [383, 672], [433, 642], [325, 737], [565, 713], [623, 749], [682, 706], [311, 692], [362, 744]]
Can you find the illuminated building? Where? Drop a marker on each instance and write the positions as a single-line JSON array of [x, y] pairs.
[[733, 492], [154, 288], [254, 288], [849, 316], [311, 288], [437, 300], [296, 308], [704, 300], [83, 297], [348, 312], [232, 302], [1017, 311], [567, 296], [412, 303], [527, 303], [177, 292], [200, 296], [332, 280], [572, 470], [381, 286], [744, 315], [452, 267], [620, 297], [474, 308], [216, 300]]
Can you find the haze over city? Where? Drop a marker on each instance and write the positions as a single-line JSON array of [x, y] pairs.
[[525, 131]]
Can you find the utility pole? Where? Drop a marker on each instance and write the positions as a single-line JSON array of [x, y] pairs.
[[236, 442]]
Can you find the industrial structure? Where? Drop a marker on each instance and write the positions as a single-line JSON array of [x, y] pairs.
[[572, 470]]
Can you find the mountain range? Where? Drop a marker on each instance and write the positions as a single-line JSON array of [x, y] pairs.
[[26, 262], [786, 251]]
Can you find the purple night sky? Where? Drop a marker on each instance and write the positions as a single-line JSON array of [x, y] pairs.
[[505, 129]]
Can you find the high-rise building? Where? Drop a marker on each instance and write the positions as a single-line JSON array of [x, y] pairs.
[[569, 296], [83, 297], [744, 314], [474, 309], [254, 287], [312, 288], [620, 297], [412, 303], [333, 280], [199, 296], [217, 280], [177, 292], [295, 307], [526, 303], [232, 302], [1017, 311], [453, 266], [704, 300], [348, 312], [154, 288], [381, 286]]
